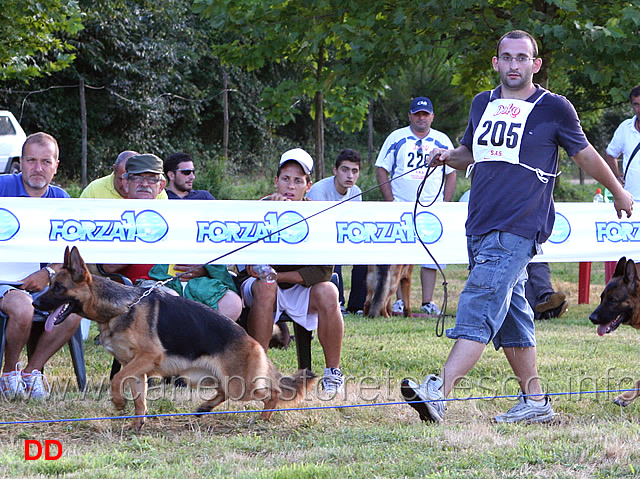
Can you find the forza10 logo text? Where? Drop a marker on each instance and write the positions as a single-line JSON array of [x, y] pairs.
[[428, 225], [147, 226], [616, 232]]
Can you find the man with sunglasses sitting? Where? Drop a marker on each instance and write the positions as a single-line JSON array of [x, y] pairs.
[[180, 174]]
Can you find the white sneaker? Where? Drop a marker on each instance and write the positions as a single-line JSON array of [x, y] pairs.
[[35, 384], [332, 381], [12, 385], [527, 411], [426, 398], [430, 308], [398, 307]]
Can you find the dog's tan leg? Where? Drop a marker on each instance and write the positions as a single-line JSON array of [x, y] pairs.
[[386, 310], [117, 391], [405, 287], [270, 403], [216, 401], [371, 285], [628, 397], [134, 373], [139, 392]]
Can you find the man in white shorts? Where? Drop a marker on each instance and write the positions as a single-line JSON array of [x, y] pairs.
[[304, 292]]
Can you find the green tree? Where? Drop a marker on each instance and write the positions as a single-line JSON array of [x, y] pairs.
[[152, 85], [335, 50], [588, 48], [34, 37]]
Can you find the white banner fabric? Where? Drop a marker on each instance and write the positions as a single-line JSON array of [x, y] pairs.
[[194, 232]]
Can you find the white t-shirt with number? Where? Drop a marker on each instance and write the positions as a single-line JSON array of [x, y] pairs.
[[403, 151]]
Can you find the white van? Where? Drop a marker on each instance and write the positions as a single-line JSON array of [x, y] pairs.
[[12, 137]]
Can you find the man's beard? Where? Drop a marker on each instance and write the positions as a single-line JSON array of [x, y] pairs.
[[36, 182], [183, 188]]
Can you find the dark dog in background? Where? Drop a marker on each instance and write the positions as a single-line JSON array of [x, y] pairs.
[[382, 284], [164, 335], [620, 304]]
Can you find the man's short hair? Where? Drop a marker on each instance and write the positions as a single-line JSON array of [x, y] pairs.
[[635, 91], [41, 138], [517, 34], [124, 156], [171, 163], [348, 155]]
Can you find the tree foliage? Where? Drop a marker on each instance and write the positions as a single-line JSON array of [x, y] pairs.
[[34, 37], [588, 48], [153, 85], [154, 69], [334, 50]]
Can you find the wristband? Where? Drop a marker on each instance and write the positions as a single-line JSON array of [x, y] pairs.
[[51, 271]]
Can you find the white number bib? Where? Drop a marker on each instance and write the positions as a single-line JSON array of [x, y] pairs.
[[498, 136], [416, 156]]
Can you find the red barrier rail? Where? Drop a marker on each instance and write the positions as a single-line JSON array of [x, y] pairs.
[[584, 279]]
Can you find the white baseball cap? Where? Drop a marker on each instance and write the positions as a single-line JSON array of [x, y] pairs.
[[301, 157]]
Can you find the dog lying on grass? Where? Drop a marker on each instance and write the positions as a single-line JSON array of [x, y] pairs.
[[620, 304], [165, 335]]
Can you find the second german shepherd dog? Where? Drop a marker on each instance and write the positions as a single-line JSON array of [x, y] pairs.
[[620, 304], [382, 284], [165, 335]]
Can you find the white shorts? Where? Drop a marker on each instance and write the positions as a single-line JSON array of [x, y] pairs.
[[294, 301]]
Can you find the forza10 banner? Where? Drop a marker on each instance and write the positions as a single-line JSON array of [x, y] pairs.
[[306, 232]]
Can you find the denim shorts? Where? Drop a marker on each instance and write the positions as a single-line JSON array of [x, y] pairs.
[[5, 288], [493, 306]]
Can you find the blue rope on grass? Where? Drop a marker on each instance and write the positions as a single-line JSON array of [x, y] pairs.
[[313, 408]]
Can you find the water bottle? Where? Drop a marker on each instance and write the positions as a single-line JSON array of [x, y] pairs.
[[266, 273], [598, 196]]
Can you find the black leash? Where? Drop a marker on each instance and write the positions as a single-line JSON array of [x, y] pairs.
[[430, 170]]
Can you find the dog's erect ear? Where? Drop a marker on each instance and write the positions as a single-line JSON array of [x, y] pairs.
[[630, 272], [620, 267], [65, 264], [76, 266]]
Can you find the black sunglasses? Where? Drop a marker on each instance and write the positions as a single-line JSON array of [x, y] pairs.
[[187, 172]]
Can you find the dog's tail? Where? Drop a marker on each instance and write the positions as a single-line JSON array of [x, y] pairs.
[[294, 388], [381, 291]]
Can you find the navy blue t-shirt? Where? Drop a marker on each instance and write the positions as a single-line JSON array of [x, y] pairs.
[[192, 195], [509, 197]]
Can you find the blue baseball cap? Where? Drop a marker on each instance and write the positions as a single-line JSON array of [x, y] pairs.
[[421, 103]]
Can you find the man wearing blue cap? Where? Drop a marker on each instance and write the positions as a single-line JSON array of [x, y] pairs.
[[407, 150]]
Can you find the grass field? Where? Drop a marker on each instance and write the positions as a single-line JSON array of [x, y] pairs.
[[368, 436]]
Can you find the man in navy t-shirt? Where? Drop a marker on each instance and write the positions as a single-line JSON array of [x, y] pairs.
[[39, 163], [511, 146], [180, 173]]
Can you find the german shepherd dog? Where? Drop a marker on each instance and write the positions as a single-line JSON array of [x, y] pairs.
[[165, 335], [620, 304], [382, 284]]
